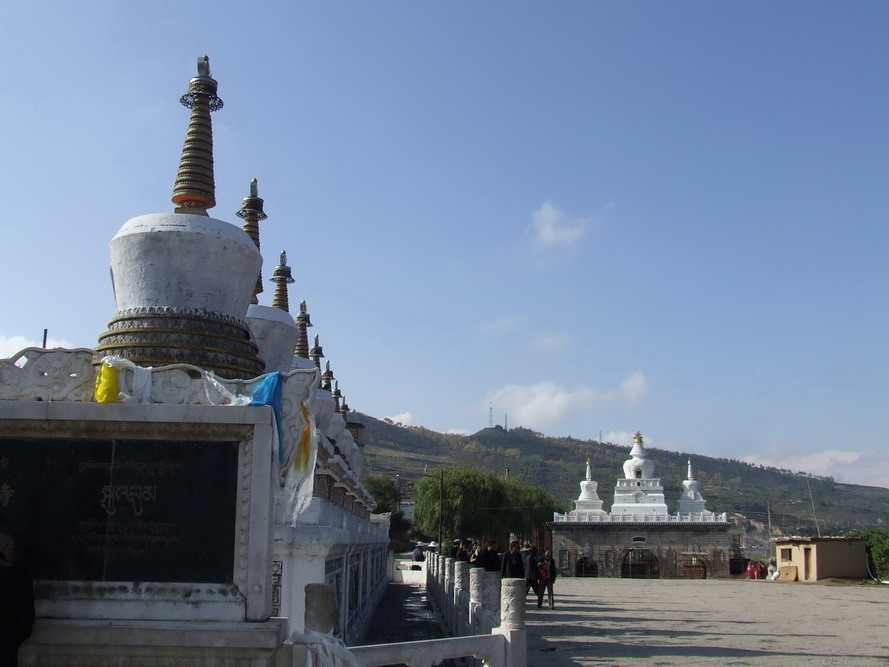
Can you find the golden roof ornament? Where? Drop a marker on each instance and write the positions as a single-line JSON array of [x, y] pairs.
[[638, 437], [195, 187]]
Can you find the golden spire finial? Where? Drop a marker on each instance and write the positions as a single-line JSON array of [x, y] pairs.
[[251, 212], [303, 322], [195, 187], [281, 277], [327, 377], [638, 437], [317, 352]]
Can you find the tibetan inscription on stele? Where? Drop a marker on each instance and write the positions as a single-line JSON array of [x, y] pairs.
[[121, 510]]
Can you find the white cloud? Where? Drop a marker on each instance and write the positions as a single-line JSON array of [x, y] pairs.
[[405, 418], [633, 388], [545, 403], [625, 438], [551, 228], [832, 462], [501, 324], [458, 431], [551, 343], [11, 345]]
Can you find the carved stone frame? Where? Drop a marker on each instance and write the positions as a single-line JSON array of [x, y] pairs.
[[250, 598]]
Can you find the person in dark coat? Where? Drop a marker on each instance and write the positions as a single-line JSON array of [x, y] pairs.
[[512, 566], [488, 558], [546, 577], [16, 604], [530, 568]]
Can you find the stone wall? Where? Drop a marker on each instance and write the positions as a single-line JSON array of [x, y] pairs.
[[678, 550]]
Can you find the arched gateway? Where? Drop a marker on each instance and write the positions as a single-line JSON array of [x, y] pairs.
[[586, 567], [640, 564]]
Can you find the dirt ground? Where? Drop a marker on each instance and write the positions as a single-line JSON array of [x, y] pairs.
[[737, 622]]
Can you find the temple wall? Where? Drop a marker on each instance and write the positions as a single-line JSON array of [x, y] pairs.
[[675, 547]]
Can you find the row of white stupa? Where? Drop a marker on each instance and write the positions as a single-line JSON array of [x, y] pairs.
[[639, 497]]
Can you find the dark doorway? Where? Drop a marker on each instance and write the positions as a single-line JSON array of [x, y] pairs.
[[640, 564], [586, 567], [694, 568]]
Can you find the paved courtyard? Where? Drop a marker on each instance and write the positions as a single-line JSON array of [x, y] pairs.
[[671, 622]]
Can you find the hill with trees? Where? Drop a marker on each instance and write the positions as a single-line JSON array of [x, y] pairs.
[[792, 503]]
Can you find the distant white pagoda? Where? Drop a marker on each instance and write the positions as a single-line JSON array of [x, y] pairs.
[[639, 497]]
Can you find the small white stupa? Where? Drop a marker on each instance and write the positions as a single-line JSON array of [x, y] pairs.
[[691, 501], [588, 503]]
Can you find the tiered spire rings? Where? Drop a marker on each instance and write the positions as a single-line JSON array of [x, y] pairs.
[[281, 277], [195, 188], [251, 211], [317, 353], [303, 322], [327, 378]]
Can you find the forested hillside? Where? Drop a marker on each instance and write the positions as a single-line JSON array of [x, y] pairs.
[[558, 465]]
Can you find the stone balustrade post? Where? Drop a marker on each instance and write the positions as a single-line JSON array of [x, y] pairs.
[[440, 578], [491, 591], [430, 571], [476, 595], [320, 608], [447, 598], [461, 593], [512, 622]]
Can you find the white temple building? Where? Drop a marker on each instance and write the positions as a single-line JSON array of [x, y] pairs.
[[639, 496], [640, 537]]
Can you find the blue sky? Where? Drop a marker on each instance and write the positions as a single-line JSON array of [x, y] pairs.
[[590, 217]]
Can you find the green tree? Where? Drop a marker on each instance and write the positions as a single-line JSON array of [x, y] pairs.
[[878, 547], [472, 503], [385, 492]]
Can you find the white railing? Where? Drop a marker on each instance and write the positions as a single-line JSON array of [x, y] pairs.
[[694, 517], [486, 617]]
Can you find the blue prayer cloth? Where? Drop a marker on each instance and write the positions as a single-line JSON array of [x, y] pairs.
[[268, 392]]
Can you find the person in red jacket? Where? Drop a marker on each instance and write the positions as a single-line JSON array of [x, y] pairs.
[[546, 575]]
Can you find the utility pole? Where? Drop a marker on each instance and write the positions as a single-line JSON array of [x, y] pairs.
[[814, 513], [769, 510], [440, 507]]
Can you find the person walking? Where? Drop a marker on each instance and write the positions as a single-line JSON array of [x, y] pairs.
[[530, 566], [512, 566], [488, 558], [16, 603], [546, 577]]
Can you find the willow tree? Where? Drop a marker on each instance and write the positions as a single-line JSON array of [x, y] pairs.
[[385, 492], [467, 502]]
